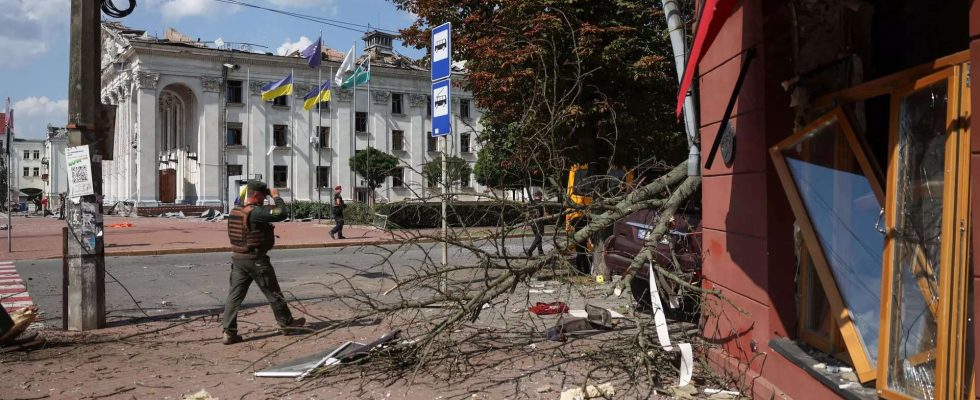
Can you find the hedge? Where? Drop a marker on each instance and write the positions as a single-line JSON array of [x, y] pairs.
[[417, 215]]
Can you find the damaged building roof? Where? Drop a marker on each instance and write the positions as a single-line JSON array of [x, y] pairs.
[[378, 46]]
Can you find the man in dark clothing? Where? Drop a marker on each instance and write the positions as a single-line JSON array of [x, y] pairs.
[[338, 214], [252, 235], [536, 213]]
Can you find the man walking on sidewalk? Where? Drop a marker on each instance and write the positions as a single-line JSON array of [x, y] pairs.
[[252, 235], [537, 224], [338, 214]]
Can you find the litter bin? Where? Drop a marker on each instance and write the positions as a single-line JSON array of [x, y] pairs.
[[23, 207]]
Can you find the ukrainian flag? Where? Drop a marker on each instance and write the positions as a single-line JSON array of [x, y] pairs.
[[282, 87], [317, 95]]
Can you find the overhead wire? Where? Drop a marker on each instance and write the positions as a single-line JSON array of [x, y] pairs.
[[312, 18], [110, 9]]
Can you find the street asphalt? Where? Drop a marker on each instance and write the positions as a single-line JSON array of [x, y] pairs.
[[169, 286]]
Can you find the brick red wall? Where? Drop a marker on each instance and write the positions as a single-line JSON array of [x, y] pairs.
[[748, 234], [975, 168]]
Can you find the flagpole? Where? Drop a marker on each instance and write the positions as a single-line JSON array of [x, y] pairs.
[[373, 125], [292, 147], [353, 135], [248, 137]]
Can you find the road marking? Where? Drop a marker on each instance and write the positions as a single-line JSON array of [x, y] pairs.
[[13, 293]]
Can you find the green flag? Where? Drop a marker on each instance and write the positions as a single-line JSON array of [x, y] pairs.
[[360, 76]]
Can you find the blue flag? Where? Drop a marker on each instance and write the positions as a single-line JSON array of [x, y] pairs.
[[313, 53]]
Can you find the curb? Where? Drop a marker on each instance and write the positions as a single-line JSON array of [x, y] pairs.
[[227, 249]]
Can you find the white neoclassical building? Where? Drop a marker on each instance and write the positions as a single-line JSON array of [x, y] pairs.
[[190, 120]]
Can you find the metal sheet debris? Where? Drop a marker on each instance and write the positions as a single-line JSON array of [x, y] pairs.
[[302, 366]]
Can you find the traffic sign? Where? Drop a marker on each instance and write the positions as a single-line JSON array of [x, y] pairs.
[[441, 52], [440, 108]]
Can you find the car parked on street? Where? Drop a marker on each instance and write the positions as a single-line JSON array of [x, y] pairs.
[[678, 252]]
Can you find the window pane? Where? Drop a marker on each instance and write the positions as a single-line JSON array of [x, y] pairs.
[[280, 176], [917, 238], [817, 318], [397, 140], [843, 209], [234, 169], [323, 177], [360, 121]]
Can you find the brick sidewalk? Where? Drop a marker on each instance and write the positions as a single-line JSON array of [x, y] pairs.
[[37, 238]]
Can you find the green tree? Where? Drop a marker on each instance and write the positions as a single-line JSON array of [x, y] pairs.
[[564, 81], [374, 166], [458, 170]]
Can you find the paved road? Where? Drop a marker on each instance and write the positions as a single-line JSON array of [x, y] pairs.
[[171, 285]]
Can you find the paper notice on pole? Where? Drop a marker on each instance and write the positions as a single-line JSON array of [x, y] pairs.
[[660, 320], [79, 171]]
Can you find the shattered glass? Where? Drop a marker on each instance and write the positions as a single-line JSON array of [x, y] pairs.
[[842, 208], [914, 297]]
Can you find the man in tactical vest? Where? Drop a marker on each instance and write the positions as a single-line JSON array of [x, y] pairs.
[[252, 236]]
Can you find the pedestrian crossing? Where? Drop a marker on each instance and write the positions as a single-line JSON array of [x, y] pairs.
[[13, 293]]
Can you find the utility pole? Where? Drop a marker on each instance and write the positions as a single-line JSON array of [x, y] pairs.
[[86, 257], [675, 27]]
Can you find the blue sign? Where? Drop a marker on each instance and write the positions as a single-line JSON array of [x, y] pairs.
[[440, 108], [441, 50]]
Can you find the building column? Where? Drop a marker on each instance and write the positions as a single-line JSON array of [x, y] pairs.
[[210, 172], [343, 131], [147, 175]]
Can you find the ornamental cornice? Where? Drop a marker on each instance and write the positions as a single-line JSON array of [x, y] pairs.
[[147, 80], [344, 95], [211, 83], [380, 96], [416, 100]]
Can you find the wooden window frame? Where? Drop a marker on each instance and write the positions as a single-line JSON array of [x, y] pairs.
[[865, 370], [950, 312]]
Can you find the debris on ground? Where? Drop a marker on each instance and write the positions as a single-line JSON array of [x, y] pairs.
[[573, 325], [301, 367], [202, 395], [540, 308], [545, 389], [121, 225], [721, 393], [21, 320], [602, 391]]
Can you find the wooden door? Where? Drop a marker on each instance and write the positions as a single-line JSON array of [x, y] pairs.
[[168, 185]]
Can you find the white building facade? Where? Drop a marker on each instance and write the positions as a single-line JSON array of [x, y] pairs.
[[190, 116], [54, 168], [26, 169]]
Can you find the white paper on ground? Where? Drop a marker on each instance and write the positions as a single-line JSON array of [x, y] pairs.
[[660, 320], [585, 314]]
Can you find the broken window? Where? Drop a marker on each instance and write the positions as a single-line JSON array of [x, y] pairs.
[[430, 143], [360, 121], [397, 140], [280, 176], [922, 240], [837, 200], [279, 136], [922, 349]]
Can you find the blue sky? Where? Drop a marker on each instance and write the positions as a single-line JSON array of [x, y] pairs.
[[34, 39]]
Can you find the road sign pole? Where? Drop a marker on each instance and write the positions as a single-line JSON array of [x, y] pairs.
[[445, 196], [441, 68]]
